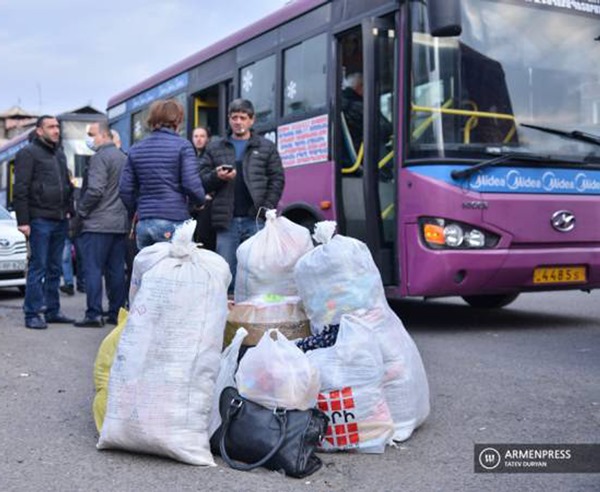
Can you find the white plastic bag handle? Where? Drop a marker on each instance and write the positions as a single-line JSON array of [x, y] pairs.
[[324, 231], [182, 244]]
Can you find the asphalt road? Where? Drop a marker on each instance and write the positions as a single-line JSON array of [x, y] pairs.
[[529, 373]]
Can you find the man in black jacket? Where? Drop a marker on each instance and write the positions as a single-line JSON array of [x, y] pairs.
[[42, 195], [105, 224], [244, 172]]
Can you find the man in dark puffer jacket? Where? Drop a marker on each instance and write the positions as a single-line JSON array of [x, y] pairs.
[[244, 172], [42, 199]]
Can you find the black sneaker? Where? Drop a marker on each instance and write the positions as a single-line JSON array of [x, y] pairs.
[[36, 323], [90, 323], [59, 318], [68, 289]]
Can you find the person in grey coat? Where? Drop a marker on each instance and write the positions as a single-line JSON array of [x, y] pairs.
[[104, 228]]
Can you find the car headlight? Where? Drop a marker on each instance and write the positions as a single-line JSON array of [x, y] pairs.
[[438, 233]]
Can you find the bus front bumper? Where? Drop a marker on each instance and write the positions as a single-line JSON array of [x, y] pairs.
[[443, 272]]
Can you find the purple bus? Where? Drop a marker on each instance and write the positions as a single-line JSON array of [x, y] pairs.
[[460, 140]]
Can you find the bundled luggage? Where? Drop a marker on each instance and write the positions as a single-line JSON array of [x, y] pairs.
[[337, 277], [314, 359], [405, 385], [265, 262], [277, 374], [352, 393], [269, 419], [163, 376], [102, 366], [263, 312], [339, 280]]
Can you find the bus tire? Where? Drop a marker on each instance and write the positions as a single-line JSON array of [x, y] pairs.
[[309, 223], [302, 217], [492, 301]]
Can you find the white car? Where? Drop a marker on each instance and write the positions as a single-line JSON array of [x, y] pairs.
[[13, 253]]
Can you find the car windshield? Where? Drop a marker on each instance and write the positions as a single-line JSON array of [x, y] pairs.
[[4, 214], [516, 62]]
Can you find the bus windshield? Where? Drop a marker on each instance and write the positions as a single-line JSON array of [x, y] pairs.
[[519, 70]]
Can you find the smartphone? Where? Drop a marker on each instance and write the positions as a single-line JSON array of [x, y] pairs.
[[227, 167]]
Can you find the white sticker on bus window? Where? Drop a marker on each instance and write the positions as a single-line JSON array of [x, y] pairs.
[[304, 142]]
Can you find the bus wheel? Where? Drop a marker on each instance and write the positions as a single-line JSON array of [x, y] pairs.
[[309, 223], [490, 301]]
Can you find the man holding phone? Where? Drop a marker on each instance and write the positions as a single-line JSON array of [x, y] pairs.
[[244, 172]]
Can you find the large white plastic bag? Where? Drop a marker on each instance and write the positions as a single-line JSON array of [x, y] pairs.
[[277, 374], [162, 379], [351, 393], [405, 385], [226, 377], [265, 262], [337, 277]]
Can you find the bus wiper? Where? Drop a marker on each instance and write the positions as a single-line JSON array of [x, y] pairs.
[[465, 173], [574, 134]]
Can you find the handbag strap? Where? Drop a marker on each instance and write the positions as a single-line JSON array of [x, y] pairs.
[[234, 408]]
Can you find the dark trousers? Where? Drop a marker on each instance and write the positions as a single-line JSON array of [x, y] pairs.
[[46, 244], [104, 253]]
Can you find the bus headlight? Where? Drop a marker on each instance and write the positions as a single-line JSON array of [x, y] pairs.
[[453, 235], [440, 233], [475, 239]]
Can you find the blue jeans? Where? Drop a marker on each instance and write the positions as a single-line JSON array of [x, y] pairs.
[[150, 231], [46, 244], [228, 240], [104, 253], [67, 262], [79, 263]]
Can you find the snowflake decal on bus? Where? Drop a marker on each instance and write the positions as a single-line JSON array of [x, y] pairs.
[[247, 81], [291, 90]]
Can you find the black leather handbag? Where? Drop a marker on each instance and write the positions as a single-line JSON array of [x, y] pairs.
[[251, 435]]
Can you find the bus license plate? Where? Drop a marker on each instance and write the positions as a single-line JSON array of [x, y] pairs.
[[559, 275]]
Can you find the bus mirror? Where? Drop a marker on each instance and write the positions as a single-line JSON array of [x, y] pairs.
[[444, 18]]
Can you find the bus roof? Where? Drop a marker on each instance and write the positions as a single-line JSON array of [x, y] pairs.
[[286, 13]]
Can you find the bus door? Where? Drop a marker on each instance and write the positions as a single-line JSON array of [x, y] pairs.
[[210, 107], [365, 138]]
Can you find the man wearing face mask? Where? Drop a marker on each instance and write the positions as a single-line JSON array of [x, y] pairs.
[[104, 228], [42, 198]]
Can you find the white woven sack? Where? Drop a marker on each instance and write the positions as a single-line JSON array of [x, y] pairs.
[[405, 385], [144, 261], [265, 262], [162, 380], [352, 391], [337, 277]]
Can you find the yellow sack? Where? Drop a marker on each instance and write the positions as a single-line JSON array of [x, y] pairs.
[[104, 360]]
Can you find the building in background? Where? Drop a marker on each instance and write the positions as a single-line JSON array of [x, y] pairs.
[[14, 122], [73, 126]]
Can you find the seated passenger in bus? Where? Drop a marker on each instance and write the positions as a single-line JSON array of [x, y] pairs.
[[352, 114]]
